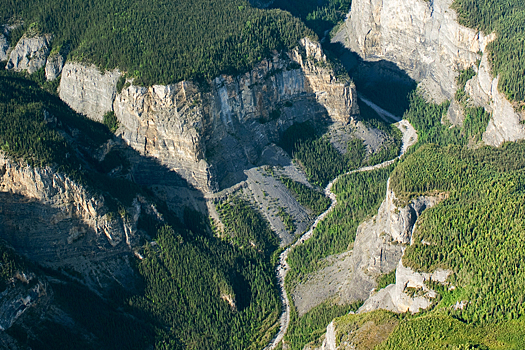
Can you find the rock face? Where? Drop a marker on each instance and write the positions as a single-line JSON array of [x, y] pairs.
[[23, 292], [54, 66], [210, 135], [4, 47], [409, 293], [425, 40], [379, 242], [30, 53], [56, 222], [422, 37], [505, 124], [87, 90]]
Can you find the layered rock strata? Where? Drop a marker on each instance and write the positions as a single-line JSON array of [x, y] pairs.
[[56, 222], [211, 134], [424, 39]]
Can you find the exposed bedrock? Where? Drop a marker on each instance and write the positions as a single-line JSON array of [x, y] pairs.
[[30, 53], [56, 222], [424, 39], [211, 134]]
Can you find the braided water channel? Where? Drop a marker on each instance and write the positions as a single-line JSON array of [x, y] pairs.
[[409, 138]]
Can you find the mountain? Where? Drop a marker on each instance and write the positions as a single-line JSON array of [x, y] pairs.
[[161, 161]]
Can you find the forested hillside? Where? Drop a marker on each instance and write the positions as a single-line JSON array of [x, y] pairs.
[[507, 52], [199, 291], [159, 41]]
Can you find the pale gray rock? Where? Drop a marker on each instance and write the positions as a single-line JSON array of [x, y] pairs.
[[54, 66], [422, 37], [30, 53], [396, 297], [505, 123], [211, 137], [87, 90], [380, 241], [4, 47]]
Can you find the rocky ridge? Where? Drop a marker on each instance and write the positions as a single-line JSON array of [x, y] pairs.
[[58, 223], [378, 249], [424, 39], [210, 136]]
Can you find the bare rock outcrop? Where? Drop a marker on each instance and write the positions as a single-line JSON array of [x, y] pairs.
[[422, 37], [380, 241], [58, 223], [87, 90], [21, 293], [210, 136], [505, 123], [4, 47], [30, 53], [54, 66], [425, 39], [408, 294]]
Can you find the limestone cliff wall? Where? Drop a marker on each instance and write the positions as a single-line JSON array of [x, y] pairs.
[[380, 242], [30, 53], [88, 90], [422, 37], [56, 222], [425, 39], [211, 134]]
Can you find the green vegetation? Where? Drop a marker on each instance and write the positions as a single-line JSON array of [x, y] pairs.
[[427, 120], [367, 330], [246, 226], [287, 219], [198, 291], [128, 34], [312, 325], [386, 279], [320, 16], [321, 161], [204, 293], [478, 231], [110, 120], [507, 19], [444, 332], [308, 197], [359, 196], [464, 76]]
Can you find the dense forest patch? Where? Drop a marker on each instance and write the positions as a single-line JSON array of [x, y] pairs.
[[161, 41], [359, 196], [506, 53]]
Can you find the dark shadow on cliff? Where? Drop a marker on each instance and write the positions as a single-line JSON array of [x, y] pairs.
[[381, 81]]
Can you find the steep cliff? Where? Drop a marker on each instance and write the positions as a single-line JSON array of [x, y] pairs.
[[30, 53], [4, 46], [211, 133], [424, 39], [60, 224]]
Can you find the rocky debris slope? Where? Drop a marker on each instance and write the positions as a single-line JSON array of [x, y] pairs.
[[21, 293], [425, 39], [57, 223], [210, 136], [30, 53]]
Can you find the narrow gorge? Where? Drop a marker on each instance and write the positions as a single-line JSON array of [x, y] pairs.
[[279, 183]]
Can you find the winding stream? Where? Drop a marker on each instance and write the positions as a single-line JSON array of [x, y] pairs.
[[409, 138]]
